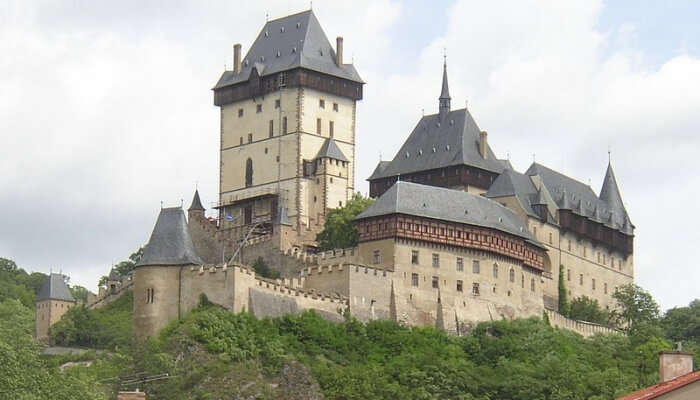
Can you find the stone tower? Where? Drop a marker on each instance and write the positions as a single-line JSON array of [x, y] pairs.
[[54, 300], [287, 151]]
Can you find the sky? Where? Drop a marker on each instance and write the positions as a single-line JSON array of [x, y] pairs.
[[106, 110]]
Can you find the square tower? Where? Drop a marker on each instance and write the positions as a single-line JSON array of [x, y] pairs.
[[287, 132]]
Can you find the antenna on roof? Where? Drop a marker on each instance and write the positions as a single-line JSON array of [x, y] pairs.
[[508, 155], [311, 5], [444, 55], [609, 152], [161, 204], [422, 112], [466, 103], [182, 202], [533, 157], [267, 17], [380, 155]]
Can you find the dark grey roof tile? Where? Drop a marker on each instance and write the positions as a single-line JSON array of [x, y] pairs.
[[330, 149], [170, 243], [55, 288]]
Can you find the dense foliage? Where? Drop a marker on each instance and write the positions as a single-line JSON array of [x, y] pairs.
[[108, 327], [588, 309], [125, 267], [338, 231], [563, 293], [261, 268], [16, 283]]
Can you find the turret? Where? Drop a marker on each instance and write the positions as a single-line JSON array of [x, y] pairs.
[[445, 93], [196, 209]]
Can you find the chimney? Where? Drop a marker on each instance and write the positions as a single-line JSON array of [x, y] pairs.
[[673, 364], [237, 58], [131, 395], [339, 50], [483, 144]]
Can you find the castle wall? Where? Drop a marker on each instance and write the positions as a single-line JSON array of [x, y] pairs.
[[585, 329], [151, 317], [48, 312]]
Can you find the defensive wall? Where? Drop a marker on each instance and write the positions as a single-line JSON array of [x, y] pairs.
[[105, 297], [585, 329]]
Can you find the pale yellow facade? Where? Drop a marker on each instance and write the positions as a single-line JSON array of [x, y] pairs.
[[48, 312]]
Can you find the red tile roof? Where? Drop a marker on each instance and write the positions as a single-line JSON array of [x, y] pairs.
[[655, 391]]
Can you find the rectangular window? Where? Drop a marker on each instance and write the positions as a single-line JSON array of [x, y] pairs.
[[619, 265], [330, 128], [414, 280], [475, 289], [550, 238], [511, 275], [318, 126], [321, 103], [376, 257], [240, 112], [250, 137], [258, 108], [605, 288], [241, 140], [495, 270], [436, 260], [335, 107], [569, 244], [593, 284], [580, 279], [522, 281], [532, 284], [436, 282], [598, 257], [568, 275], [284, 125], [277, 103], [414, 256], [460, 264], [459, 286], [476, 267], [272, 128]]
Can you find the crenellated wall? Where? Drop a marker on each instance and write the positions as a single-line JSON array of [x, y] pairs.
[[586, 329]]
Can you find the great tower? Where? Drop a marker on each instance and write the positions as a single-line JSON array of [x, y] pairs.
[[287, 130]]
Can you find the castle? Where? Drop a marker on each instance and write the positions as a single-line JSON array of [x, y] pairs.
[[455, 236]]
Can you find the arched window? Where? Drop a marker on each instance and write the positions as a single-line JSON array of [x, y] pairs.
[[249, 172], [512, 275], [532, 284], [495, 270]]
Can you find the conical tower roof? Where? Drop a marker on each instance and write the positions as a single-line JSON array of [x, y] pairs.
[[196, 202], [565, 203], [610, 193], [540, 200], [444, 100], [170, 243]]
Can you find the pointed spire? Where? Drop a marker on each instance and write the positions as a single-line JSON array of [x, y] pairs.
[[611, 220], [596, 214], [579, 209], [445, 93], [610, 193], [196, 202], [565, 204], [540, 200]]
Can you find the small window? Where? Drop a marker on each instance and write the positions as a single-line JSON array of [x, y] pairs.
[[580, 279], [241, 142], [376, 257], [511, 275], [277, 103], [532, 284], [605, 288], [258, 108], [277, 158], [321, 103], [522, 281], [569, 244], [459, 286], [568, 275], [315, 199], [335, 107], [436, 282], [318, 126], [284, 125], [495, 270], [436, 260], [330, 128], [265, 150], [414, 280], [475, 288], [240, 112], [414, 257], [534, 230], [272, 128], [476, 267], [250, 137], [593, 284], [460, 264], [340, 203], [550, 238]]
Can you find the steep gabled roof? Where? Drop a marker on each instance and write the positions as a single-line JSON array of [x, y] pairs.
[[378, 170], [512, 183], [294, 41], [55, 288], [447, 205], [439, 142], [196, 202], [330, 149], [170, 243]]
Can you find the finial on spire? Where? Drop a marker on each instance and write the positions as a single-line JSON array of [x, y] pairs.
[[267, 17], [609, 151]]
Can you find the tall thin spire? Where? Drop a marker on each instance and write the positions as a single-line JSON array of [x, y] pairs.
[[445, 93]]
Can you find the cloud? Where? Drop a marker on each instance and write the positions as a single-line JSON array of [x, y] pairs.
[[106, 111]]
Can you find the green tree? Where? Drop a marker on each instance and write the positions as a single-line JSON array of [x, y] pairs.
[[79, 293], [683, 323], [637, 312], [261, 268], [587, 309], [339, 230], [563, 294]]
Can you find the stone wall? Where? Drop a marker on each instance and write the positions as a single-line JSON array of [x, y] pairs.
[[586, 329], [48, 312], [108, 297]]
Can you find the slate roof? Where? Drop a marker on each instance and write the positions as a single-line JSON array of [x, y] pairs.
[[170, 243], [54, 288], [290, 42], [330, 149], [378, 170], [610, 193], [196, 202], [512, 183], [447, 205], [439, 142]]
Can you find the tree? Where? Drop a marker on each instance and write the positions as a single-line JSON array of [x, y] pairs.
[[79, 293], [587, 309], [563, 294], [261, 268], [339, 231], [636, 311], [683, 323]]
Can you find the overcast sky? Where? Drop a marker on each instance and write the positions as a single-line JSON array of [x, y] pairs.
[[106, 110]]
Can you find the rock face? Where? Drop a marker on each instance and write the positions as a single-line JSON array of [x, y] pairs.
[[296, 383]]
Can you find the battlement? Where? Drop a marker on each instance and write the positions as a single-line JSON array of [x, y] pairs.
[[350, 267], [275, 286]]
